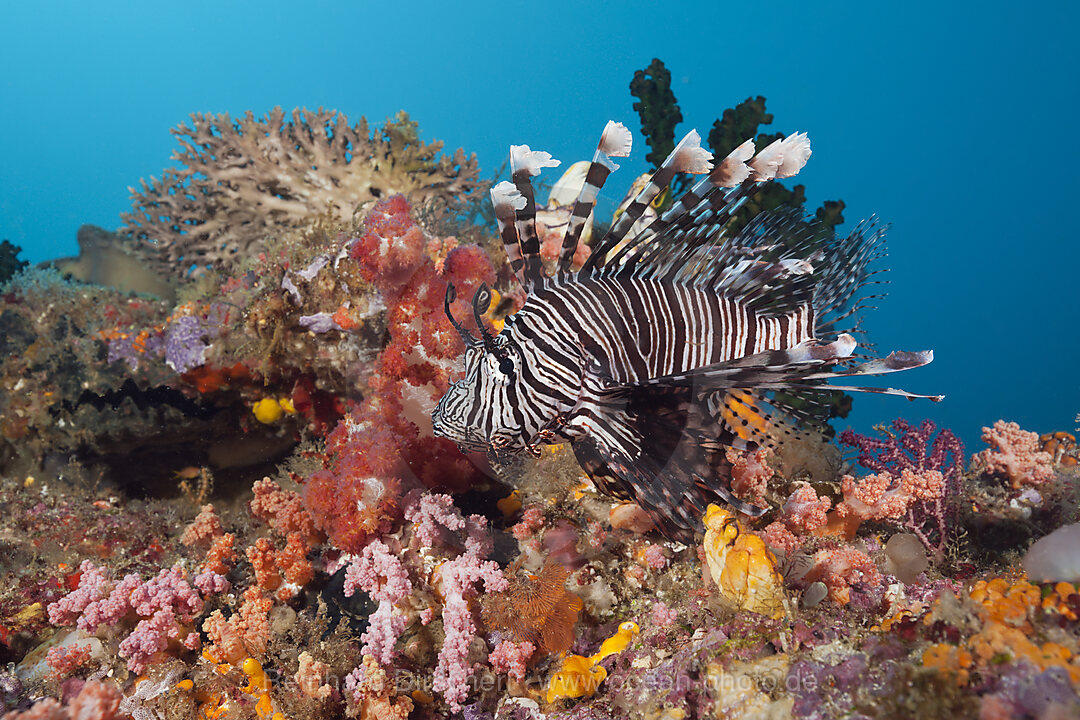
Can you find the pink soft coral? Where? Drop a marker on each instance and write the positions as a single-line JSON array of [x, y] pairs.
[[1015, 454], [882, 496], [381, 574], [803, 513], [166, 606], [750, 474], [458, 579], [511, 658], [841, 568]]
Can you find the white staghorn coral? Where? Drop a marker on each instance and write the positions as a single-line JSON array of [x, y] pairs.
[[243, 180]]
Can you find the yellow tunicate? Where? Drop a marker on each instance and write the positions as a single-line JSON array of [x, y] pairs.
[[578, 677], [257, 680], [287, 406], [251, 667], [268, 411], [185, 684], [617, 642], [509, 504], [264, 707], [742, 566]]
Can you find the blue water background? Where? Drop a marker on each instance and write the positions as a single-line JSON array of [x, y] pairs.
[[955, 121]]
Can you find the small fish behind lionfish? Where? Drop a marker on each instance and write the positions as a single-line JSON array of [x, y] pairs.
[[674, 342]]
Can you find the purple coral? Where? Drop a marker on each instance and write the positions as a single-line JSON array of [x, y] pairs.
[[184, 346], [910, 448]]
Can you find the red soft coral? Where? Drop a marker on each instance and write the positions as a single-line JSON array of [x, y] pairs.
[[385, 444]]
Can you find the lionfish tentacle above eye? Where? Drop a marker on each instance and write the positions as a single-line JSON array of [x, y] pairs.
[[524, 165], [676, 341], [615, 141], [480, 303], [466, 336]]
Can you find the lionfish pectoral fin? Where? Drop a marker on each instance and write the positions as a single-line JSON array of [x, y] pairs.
[[805, 367], [771, 365], [755, 420], [667, 499], [739, 505], [660, 447]]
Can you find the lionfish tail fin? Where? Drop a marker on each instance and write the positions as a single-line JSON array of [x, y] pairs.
[[615, 141], [524, 165]]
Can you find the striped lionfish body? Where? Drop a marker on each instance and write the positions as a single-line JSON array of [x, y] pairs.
[[669, 345]]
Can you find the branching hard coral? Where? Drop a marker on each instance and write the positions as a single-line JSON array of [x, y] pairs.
[[243, 180]]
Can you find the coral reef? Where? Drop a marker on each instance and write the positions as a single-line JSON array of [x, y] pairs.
[[229, 504], [244, 180]]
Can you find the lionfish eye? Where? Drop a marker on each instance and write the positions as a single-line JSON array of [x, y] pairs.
[[506, 365]]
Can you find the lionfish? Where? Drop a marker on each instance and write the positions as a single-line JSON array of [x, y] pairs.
[[678, 339]]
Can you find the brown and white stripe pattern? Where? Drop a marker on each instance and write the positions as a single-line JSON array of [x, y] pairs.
[[681, 313], [615, 141]]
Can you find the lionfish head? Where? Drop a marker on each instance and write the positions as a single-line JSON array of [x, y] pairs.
[[476, 412]]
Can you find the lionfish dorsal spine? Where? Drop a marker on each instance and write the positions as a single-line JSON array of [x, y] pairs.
[[687, 157], [506, 201], [695, 219], [615, 141], [524, 165]]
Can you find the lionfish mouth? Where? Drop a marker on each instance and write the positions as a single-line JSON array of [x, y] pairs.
[[467, 440]]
